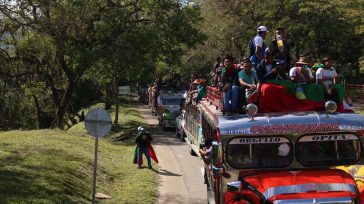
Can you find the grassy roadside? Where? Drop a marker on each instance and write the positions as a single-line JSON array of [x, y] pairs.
[[52, 166]]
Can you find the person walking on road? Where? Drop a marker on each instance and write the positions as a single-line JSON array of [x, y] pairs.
[[143, 140]]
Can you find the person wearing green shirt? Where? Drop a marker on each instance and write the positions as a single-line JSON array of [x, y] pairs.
[[248, 78], [201, 90]]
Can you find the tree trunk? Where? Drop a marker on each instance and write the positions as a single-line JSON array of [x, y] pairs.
[[116, 94], [109, 96], [357, 70], [63, 106], [37, 113]]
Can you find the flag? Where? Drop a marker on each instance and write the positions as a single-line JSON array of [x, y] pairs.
[[151, 154], [285, 96]]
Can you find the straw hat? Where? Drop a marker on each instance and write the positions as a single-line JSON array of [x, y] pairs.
[[197, 81], [304, 61]]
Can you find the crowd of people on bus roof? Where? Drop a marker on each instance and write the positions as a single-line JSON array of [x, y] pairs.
[[239, 81]]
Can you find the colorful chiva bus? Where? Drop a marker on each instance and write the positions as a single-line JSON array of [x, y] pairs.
[[278, 157]]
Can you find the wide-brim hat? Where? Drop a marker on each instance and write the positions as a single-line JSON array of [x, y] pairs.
[[197, 81], [304, 61]]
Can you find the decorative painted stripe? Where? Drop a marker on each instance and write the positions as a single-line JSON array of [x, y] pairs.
[[303, 188]]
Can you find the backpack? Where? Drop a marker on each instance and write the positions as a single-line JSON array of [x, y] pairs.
[[251, 47]]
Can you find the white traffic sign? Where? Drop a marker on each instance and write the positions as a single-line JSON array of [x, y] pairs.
[[124, 90], [98, 122]]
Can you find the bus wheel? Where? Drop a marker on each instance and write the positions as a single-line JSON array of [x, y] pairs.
[[182, 136], [192, 153]]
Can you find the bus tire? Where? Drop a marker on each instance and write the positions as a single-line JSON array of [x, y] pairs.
[[192, 153], [177, 133], [182, 137]]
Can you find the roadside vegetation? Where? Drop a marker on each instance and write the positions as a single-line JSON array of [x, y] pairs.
[[54, 166]]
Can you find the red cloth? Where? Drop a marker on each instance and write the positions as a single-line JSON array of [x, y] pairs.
[[229, 72], [276, 98], [151, 153]]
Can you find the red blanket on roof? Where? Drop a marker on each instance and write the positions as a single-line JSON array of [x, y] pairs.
[[285, 96]]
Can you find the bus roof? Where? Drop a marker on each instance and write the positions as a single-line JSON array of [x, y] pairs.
[[289, 122]]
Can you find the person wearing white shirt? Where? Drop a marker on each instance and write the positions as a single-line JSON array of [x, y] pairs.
[[299, 73], [326, 77]]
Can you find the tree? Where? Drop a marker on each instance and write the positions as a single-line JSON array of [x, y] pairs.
[[61, 43]]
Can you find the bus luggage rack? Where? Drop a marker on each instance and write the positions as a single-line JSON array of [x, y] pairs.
[[214, 96]]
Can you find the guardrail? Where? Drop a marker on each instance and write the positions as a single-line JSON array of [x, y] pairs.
[[214, 96], [355, 91]]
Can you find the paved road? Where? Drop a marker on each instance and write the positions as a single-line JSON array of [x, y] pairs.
[[180, 174]]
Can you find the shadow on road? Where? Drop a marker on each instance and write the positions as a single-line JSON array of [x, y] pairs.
[[167, 173]]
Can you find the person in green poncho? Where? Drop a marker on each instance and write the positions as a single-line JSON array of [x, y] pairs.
[[200, 89]]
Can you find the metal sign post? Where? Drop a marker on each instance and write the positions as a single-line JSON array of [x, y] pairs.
[[98, 124]]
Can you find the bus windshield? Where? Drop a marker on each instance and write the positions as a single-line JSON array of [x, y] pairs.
[[172, 101], [328, 150], [259, 152]]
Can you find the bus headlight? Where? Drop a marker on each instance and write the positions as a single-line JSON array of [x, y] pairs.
[[252, 109], [330, 107]]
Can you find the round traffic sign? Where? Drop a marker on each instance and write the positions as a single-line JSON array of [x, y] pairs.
[[98, 122]]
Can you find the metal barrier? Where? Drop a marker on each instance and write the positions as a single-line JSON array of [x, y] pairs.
[[355, 91], [214, 96]]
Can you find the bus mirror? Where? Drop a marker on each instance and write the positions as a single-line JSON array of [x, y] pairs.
[[216, 154]]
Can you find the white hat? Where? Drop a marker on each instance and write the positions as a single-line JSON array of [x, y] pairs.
[[140, 128], [262, 29]]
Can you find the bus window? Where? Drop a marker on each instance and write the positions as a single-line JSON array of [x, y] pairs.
[[259, 152], [328, 150], [172, 101]]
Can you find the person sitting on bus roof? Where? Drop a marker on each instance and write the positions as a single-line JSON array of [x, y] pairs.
[[326, 77], [248, 79], [200, 91], [230, 85], [269, 69], [299, 73], [216, 72]]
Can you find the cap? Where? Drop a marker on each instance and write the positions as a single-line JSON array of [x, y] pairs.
[[140, 128], [246, 60], [262, 29]]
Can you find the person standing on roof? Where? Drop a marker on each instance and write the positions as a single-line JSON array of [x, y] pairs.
[[257, 46], [281, 48], [216, 72], [268, 69]]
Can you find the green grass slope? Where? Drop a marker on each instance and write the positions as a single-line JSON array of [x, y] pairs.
[[53, 166]]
